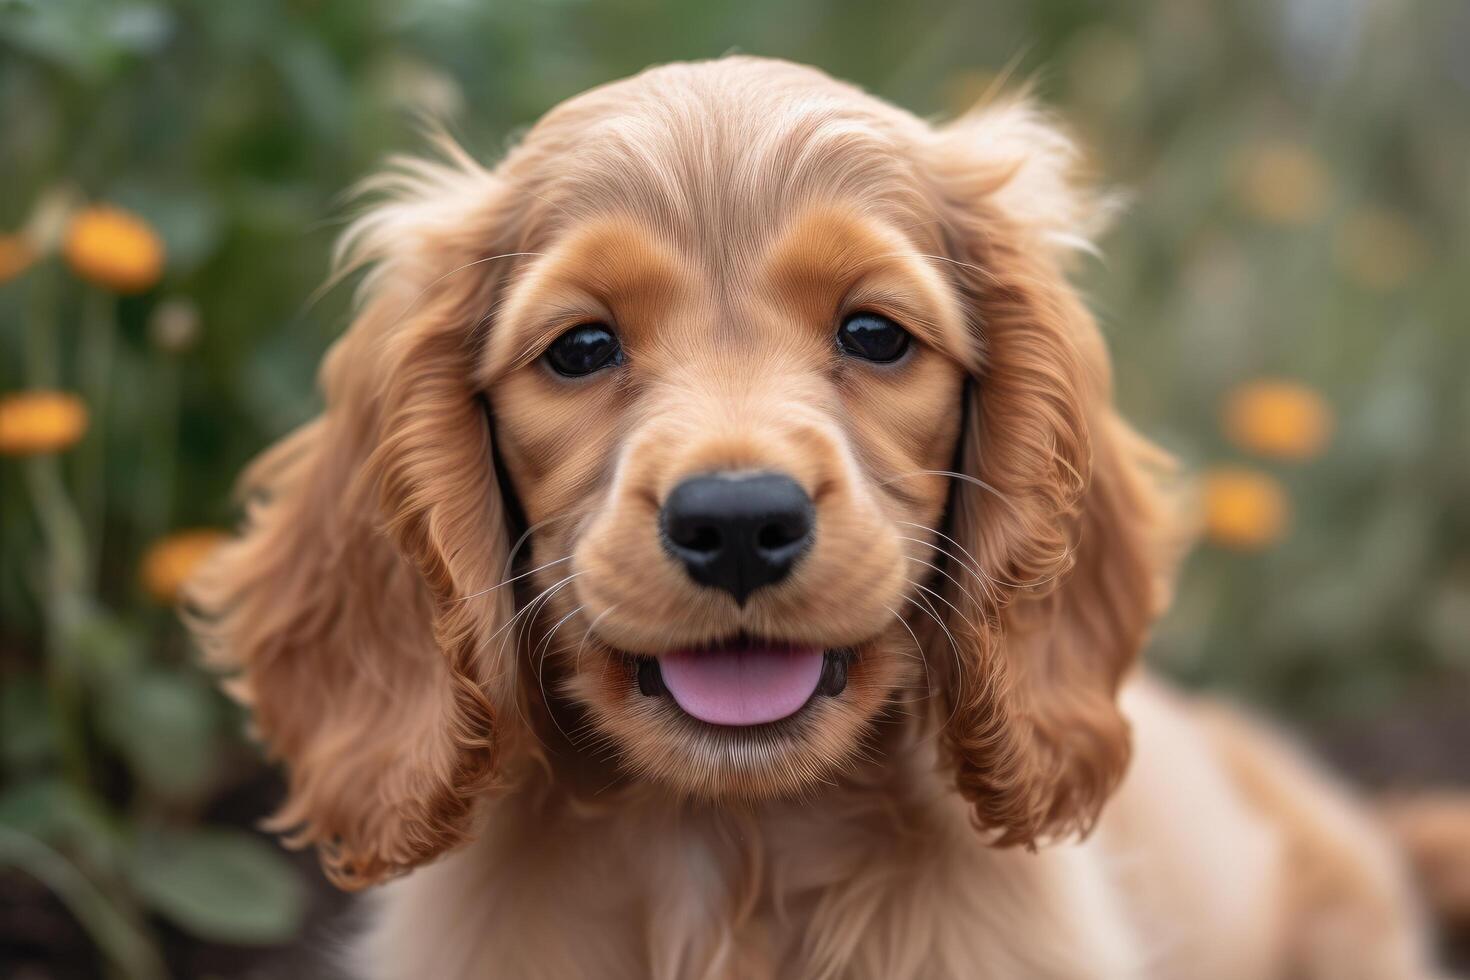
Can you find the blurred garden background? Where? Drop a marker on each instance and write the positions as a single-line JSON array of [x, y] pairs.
[[1287, 296]]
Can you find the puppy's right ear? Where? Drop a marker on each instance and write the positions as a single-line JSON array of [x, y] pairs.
[[341, 609], [1072, 541]]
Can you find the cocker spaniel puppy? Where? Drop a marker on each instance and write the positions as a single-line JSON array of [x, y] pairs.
[[719, 550]]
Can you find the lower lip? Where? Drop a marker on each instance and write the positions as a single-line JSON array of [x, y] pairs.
[[741, 685]]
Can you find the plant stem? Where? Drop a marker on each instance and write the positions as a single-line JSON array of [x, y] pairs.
[[99, 329], [41, 355], [62, 592], [63, 600], [114, 930], [155, 495]]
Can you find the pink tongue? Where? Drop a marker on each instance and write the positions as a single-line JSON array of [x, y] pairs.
[[742, 686]]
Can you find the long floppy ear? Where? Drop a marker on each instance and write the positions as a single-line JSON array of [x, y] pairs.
[[339, 608], [1063, 540]]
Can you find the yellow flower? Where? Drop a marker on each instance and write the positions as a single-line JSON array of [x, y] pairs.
[[1379, 249], [1282, 182], [16, 256], [170, 562], [114, 248], [1243, 509], [33, 422], [1281, 419]]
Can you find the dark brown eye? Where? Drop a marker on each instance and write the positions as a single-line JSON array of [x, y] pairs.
[[584, 349], [873, 337]]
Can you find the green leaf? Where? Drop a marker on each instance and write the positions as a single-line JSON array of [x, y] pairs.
[[163, 722], [104, 644], [26, 735], [220, 885], [87, 38], [315, 81], [64, 817]]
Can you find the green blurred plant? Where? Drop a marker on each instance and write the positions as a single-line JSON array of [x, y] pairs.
[[112, 741], [105, 706]]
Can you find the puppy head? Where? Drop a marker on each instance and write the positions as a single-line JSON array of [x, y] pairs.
[[734, 411]]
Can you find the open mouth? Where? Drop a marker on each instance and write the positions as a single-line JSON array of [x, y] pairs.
[[744, 682]]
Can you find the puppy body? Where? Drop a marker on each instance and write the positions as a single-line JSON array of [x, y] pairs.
[[456, 595], [1186, 876]]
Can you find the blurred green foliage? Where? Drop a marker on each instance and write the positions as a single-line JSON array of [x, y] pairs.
[[1298, 176]]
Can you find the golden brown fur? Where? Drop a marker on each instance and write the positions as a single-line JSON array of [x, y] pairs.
[[442, 579]]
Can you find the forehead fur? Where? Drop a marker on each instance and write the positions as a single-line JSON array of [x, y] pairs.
[[716, 153]]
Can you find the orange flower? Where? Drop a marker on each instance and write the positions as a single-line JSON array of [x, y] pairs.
[[114, 248], [168, 564], [34, 422], [1245, 510], [16, 256], [1282, 419], [1282, 182]]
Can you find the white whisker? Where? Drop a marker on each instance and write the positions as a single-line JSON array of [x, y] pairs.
[[958, 584], [544, 650], [950, 473], [975, 564], [968, 622], [954, 647], [513, 578], [918, 648], [577, 661]]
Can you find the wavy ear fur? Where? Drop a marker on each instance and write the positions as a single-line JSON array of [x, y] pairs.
[[1065, 536], [339, 607]]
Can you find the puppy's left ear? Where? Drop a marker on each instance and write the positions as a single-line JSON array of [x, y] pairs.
[[358, 610], [1066, 534]]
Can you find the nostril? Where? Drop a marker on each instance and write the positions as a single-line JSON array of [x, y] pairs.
[[774, 537], [704, 539]]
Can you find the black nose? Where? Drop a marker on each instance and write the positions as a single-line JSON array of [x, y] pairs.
[[737, 532]]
